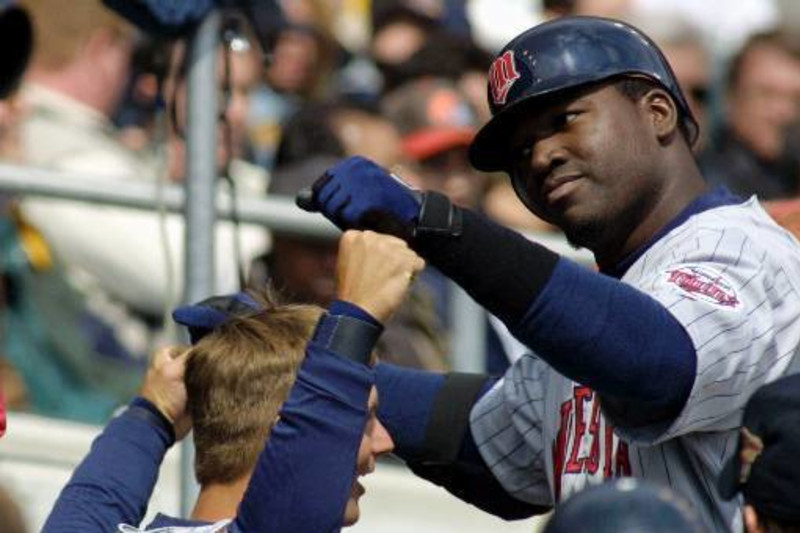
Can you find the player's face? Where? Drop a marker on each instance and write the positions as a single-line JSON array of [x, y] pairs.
[[375, 442], [583, 164]]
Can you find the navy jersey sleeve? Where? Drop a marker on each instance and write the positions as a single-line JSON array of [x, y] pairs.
[[104, 490], [306, 472]]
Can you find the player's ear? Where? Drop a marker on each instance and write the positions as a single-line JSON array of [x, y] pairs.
[[662, 113]]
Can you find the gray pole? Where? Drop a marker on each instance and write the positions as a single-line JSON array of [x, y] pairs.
[[201, 164], [468, 338]]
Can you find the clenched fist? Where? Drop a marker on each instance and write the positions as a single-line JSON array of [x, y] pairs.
[[374, 271]]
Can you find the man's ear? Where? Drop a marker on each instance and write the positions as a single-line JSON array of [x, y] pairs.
[[663, 113]]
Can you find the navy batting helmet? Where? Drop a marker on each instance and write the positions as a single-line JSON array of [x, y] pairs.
[[566, 53], [625, 505]]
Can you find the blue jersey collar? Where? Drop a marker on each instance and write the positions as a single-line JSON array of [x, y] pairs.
[[717, 197]]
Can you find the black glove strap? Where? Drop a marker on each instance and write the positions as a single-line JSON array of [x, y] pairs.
[[347, 336], [438, 217]]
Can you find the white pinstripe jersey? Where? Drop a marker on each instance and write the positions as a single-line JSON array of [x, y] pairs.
[[730, 276]]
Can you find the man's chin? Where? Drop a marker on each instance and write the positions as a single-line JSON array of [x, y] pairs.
[[351, 513]]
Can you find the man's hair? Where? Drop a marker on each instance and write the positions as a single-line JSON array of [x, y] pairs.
[[634, 88], [237, 378], [775, 39], [61, 28]]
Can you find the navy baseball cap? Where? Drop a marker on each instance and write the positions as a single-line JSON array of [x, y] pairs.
[[764, 467], [625, 505], [204, 316]]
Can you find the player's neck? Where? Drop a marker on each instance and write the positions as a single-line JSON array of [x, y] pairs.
[[218, 501]]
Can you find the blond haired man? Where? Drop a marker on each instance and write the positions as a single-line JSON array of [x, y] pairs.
[[248, 356]]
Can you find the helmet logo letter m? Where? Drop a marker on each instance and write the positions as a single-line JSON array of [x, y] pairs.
[[502, 75]]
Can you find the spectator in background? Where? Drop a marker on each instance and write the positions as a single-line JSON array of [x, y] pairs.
[[117, 254], [438, 125], [16, 39], [455, 58], [625, 505], [758, 149], [80, 66], [764, 469], [301, 64], [144, 95], [239, 70], [57, 358], [399, 30], [303, 267]]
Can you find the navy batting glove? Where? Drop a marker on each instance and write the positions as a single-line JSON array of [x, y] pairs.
[[358, 194]]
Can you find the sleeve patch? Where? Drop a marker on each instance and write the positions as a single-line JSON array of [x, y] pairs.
[[702, 283]]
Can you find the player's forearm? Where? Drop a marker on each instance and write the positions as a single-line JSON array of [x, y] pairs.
[[498, 267], [105, 491]]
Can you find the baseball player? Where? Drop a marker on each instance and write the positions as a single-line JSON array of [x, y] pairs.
[[641, 369], [305, 479]]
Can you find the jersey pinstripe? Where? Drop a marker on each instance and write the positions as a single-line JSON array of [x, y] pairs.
[[729, 275]]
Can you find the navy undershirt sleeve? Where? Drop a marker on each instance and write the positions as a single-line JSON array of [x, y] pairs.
[[407, 398], [113, 483], [609, 336], [596, 330]]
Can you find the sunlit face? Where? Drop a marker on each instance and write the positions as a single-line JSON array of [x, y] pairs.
[[375, 442], [584, 163]]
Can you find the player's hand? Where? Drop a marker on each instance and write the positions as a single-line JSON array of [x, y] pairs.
[[374, 272], [358, 194], [164, 387]]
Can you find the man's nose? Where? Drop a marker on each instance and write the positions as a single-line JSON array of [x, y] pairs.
[[382, 442], [546, 154]]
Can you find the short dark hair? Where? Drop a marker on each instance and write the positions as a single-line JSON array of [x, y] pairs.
[[635, 88]]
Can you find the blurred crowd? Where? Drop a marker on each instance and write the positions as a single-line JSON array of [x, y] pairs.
[[403, 82]]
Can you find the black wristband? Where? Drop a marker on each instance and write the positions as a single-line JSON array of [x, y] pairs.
[[438, 217], [502, 270], [347, 336]]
